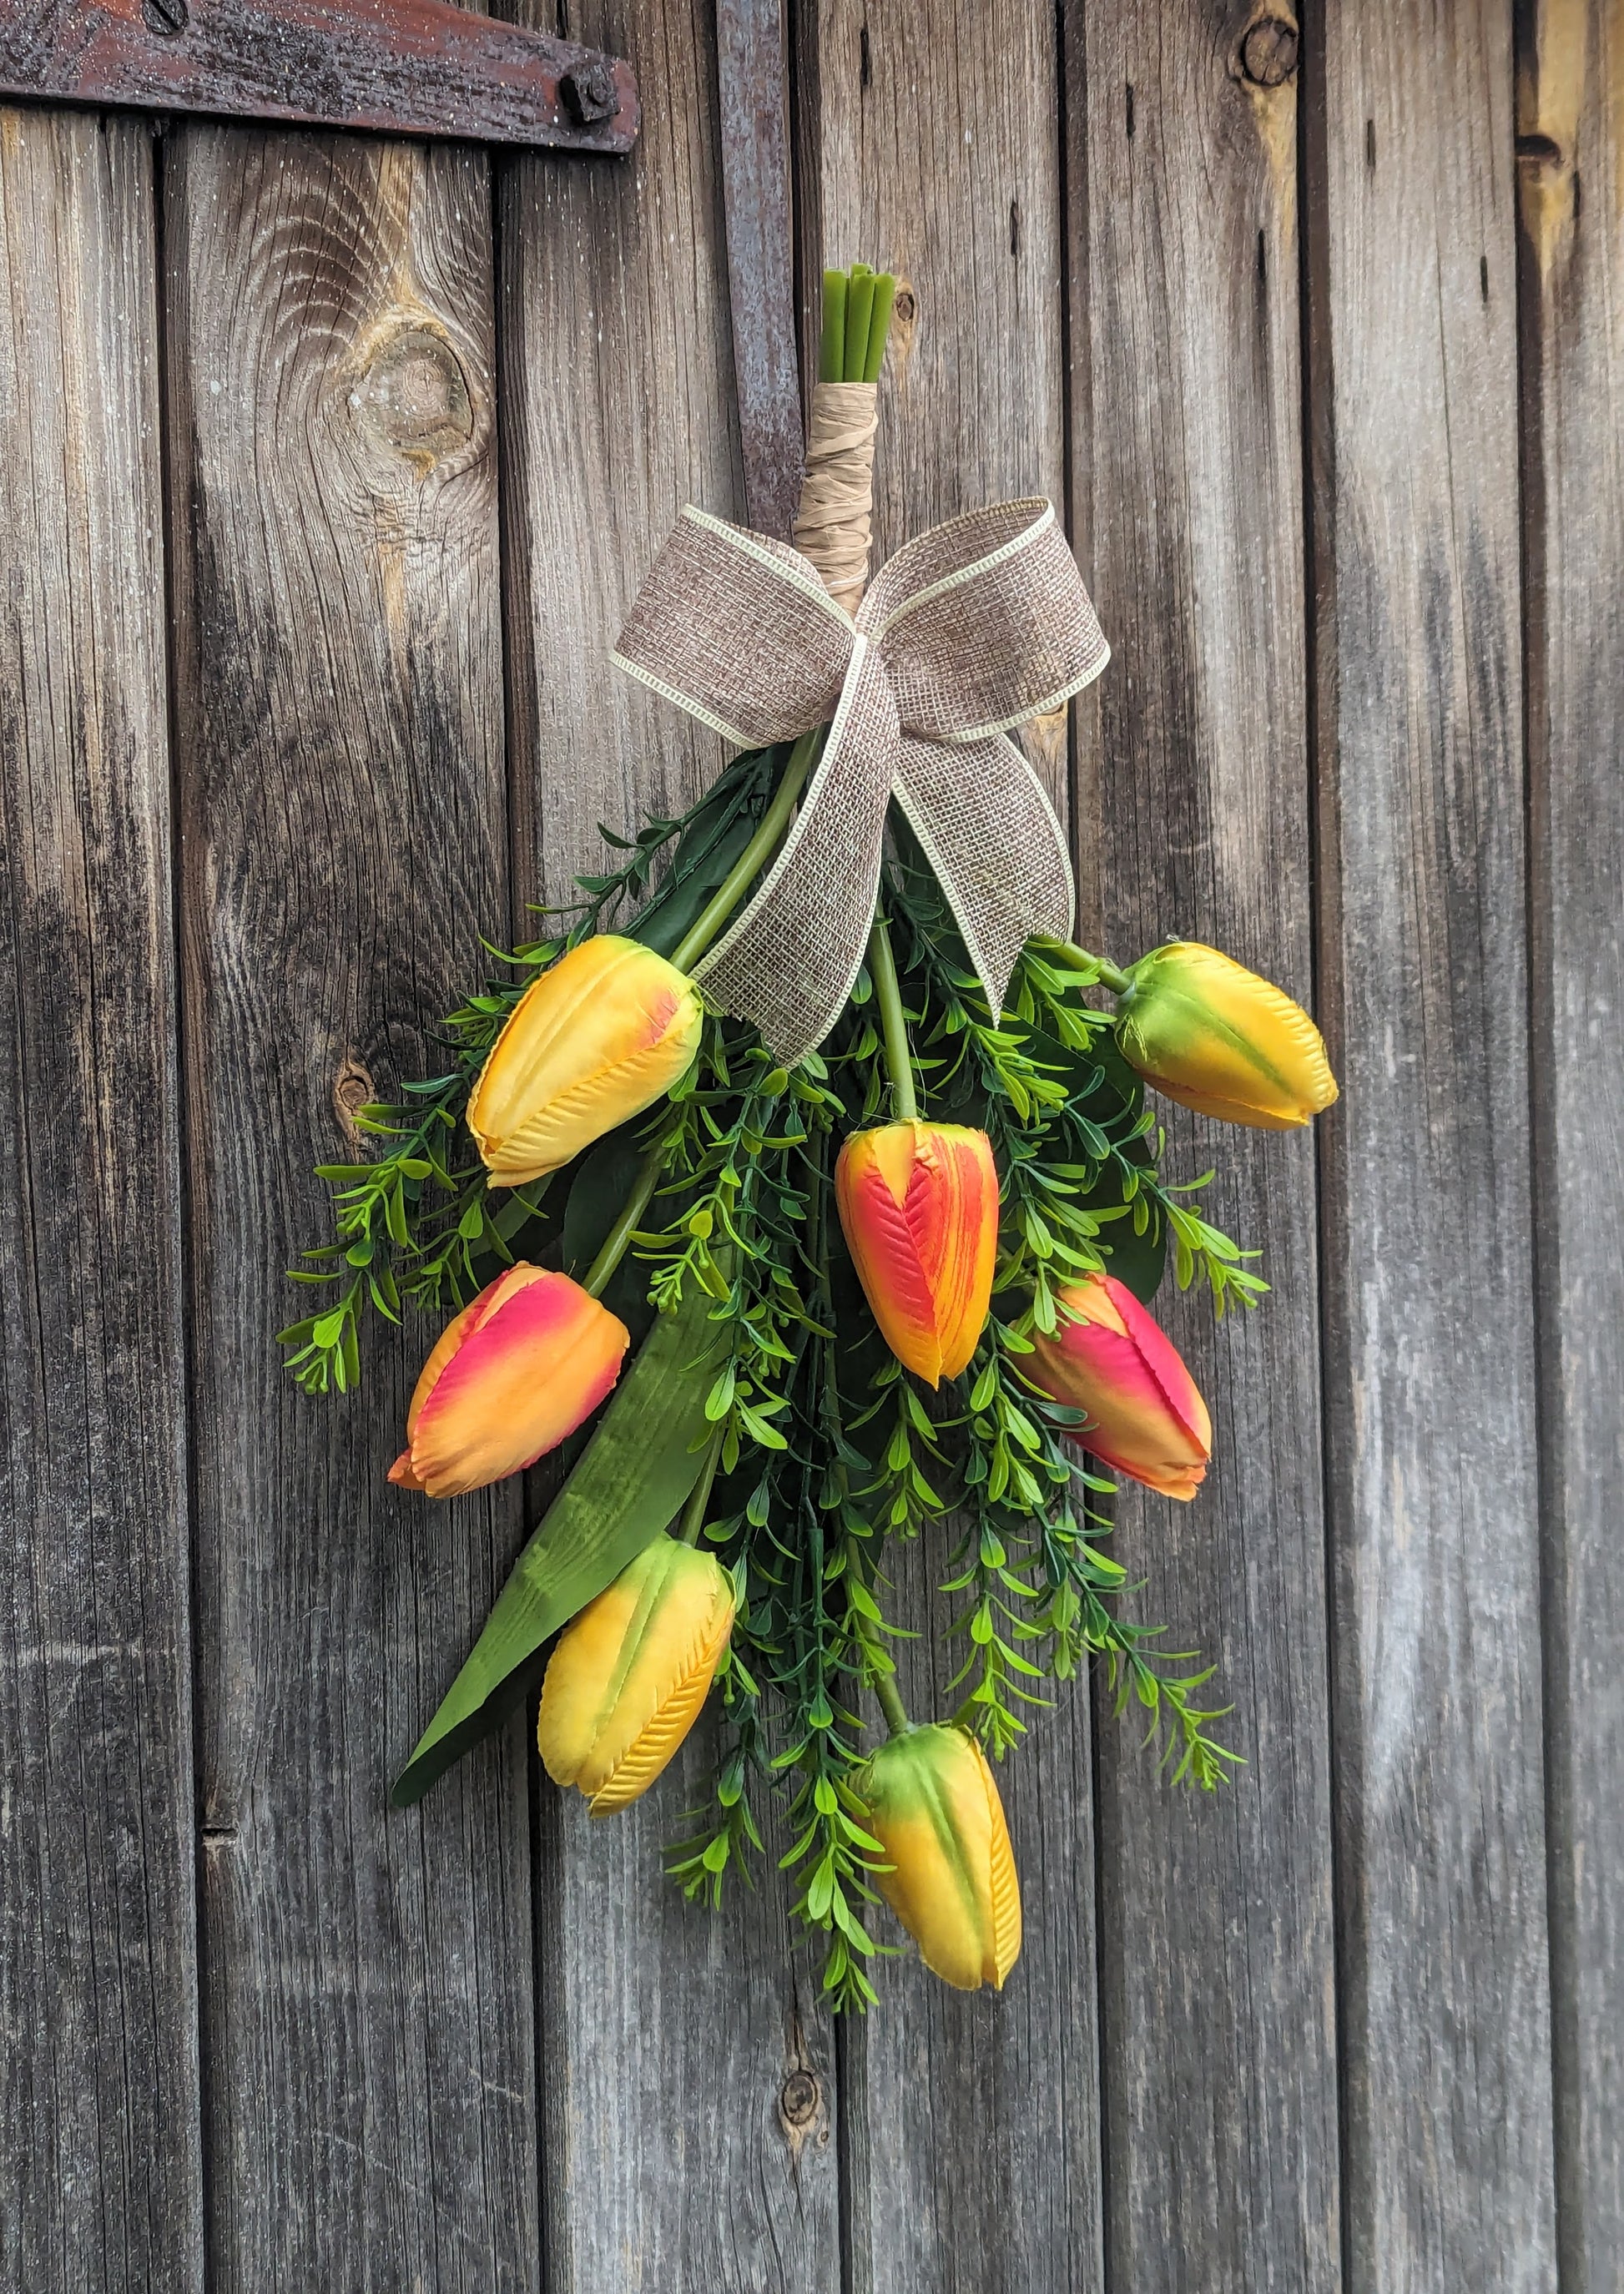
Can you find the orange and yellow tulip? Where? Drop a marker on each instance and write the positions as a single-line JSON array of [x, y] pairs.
[[919, 1207], [1145, 1416], [935, 1810], [591, 1042], [1213, 1035], [625, 1683], [509, 1378]]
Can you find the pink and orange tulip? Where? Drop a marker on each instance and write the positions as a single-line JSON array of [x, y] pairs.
[[591, 1042], [919, 1207], [935, 1810], [625, 1683], [509, 1378], [1146, 1417], [1213, 1035]]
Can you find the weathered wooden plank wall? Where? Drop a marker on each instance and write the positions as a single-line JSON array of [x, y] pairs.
[[1216, 1920], [99, 2109], [367, 1995], [330, 466], [1571, 186], [1430, 1358]]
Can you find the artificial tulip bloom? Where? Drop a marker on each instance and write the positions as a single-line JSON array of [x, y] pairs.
[[627, 1676], [1146, 1417], [591, 1043], [919, 1206], [1213, 1035], [508, 1378], [935, 1810]]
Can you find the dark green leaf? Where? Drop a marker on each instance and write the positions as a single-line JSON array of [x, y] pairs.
[[630, 1484]]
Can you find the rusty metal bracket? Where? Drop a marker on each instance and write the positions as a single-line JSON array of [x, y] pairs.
[[409, 67]]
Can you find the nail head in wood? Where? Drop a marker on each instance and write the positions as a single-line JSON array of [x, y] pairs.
[[589, 92]]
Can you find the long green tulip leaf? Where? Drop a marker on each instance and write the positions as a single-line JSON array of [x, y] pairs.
[[632, 1480]]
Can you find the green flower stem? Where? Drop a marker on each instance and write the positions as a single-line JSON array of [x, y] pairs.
[[1111, 975], [831, 350], [775, 820], [896, 1713], [888, 988], [618, 1237], [693, 1515]]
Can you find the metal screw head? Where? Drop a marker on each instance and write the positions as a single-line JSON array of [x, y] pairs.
[[1269, 51], [166, 16], [589, 93]]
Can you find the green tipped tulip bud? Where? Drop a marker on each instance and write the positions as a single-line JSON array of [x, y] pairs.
[[935, 1810], [1213, 1035]]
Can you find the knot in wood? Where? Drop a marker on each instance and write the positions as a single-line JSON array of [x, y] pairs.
[[414, 396], [797, 2101], [589, 93], [1269, 51], [353, 1089], [166, 16]]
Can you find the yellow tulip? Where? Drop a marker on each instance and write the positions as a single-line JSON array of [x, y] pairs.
[[627, 1676], [591, 1042], [935, 1810], [1213, 1035]]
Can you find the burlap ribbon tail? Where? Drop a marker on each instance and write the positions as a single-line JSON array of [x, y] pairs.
[[967, 632]]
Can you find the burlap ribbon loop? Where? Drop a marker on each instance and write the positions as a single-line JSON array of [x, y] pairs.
[[970, 630]]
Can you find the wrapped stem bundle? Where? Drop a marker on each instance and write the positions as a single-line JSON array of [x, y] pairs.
[[777, 1306]]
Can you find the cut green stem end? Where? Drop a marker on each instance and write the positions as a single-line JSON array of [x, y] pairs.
[[893, 1022], [856, 322]]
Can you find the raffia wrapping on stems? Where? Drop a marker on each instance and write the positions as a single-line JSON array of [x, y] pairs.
[[832, 524]]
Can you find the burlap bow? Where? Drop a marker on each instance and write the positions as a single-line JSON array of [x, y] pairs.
[[970, 630]]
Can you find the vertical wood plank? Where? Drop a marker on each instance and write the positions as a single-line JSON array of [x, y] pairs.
[[689, 2090], [973, 2137], [750, 74], [1429, 1284], [1571, 187], [99, 2115], [369, 2029], [1217, 1944]]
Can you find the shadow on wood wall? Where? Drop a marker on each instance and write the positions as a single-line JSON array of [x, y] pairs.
[[1319, 340]]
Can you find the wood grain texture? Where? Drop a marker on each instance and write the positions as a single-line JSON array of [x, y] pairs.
[[1216, 1941], [973, 2139], [1571, 188], [1443, 1953], [367, 2028], [751, 76], [98, 1968], [671, 2041]]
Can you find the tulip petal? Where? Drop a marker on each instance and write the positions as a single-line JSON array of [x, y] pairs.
[[628, 1677], [592, 1042], [934, 1807], [1211, 1035], [919, 1207], [1147, 1417], [508, 1378]]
